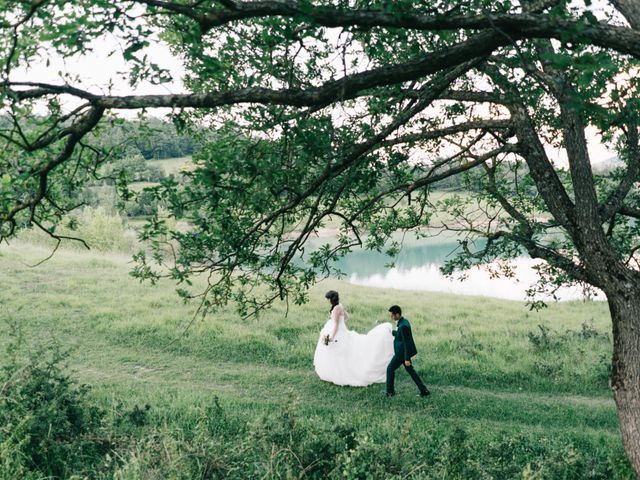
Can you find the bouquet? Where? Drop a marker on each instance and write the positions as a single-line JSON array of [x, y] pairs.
[[326, 339]]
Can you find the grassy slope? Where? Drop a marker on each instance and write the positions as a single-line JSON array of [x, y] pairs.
[[478, 355]]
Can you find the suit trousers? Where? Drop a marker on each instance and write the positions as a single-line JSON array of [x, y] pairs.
[[395, 362]]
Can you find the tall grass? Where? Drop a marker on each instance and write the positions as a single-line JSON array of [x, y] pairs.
[[515, 394]]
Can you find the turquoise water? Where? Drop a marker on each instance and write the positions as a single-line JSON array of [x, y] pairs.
[[417, 267], [365, 263]]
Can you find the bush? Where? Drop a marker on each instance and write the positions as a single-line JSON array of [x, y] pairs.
[[100, 230], [143, 204], [47, 425]]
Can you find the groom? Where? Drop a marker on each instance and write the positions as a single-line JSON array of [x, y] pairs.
[[404, 349]]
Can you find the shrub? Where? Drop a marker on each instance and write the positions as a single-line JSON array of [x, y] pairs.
[[101, 195], [143, 204], [542, 340], [99, 229], [456, 459], [46, 422]]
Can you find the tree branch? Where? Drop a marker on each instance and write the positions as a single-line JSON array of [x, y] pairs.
[[359, 151], [509, 208], [75, 133], [613, 203], [346, 88], [459, 128], [630, 10], [475, 96], [463, 167], [629, 211], [517, 26], [557, 260], [541, 169], [575, 144]]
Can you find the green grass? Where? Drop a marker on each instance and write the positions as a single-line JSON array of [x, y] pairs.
[[493, 371]]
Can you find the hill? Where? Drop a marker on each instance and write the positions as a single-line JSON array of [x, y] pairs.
[[515, 394]]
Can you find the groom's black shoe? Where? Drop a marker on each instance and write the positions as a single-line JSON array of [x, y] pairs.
[[424, 393], [388, 394]]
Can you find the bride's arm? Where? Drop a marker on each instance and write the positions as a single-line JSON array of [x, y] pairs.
[[335, 315]]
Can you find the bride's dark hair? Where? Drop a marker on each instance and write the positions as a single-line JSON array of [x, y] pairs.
[[333, 297]]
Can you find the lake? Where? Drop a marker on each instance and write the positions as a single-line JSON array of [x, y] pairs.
[[417, 267]]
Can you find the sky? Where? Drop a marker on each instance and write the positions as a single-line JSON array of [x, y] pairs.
[[105, 64], [103, 68]]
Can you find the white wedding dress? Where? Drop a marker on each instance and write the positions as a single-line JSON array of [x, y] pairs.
[[353, 358]]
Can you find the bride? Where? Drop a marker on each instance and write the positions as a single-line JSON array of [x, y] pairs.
[[345, 357]]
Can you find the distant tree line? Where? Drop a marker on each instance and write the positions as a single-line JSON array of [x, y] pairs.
[[132, 143], [152, 138]]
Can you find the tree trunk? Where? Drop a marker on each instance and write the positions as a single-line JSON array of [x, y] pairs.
[[624, 305]]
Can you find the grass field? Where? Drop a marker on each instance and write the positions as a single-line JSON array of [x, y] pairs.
[[171, 165], [515, 394]]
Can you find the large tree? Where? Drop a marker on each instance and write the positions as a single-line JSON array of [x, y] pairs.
[[350, 111]]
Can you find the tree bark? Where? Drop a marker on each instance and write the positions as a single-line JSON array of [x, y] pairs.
[[630, 9], [624, 305]]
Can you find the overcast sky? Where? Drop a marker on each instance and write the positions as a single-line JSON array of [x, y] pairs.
[[104, 65]]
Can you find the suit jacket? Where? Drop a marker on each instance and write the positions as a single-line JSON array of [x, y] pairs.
[[403, 345]]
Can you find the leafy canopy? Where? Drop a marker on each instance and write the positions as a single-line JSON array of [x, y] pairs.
[[341, 114]]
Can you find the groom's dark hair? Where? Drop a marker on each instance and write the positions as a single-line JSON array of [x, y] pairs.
[[395, 309]]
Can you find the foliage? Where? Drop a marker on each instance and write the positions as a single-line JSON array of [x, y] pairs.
[[143, 204], [338, 452], [98, 229], [152, 139], [310, 111], [323, 114], [101, 196], [132, 169], [46, 420]]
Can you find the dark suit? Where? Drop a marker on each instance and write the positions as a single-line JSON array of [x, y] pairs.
[[404, 348]]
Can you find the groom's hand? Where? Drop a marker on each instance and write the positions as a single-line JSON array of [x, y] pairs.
[[407, 363]]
